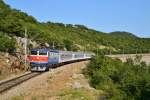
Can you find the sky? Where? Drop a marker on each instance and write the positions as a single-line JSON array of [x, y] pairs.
[[102, 15]]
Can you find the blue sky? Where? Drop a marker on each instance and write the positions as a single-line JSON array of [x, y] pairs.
[[103, 15]]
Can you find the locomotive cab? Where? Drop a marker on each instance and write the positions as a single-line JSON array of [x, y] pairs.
[[38, 60]]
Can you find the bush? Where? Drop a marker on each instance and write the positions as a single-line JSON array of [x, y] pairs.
[[7, 44], [120, 81]]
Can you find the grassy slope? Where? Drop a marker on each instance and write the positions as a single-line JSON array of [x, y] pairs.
[[70, 36]]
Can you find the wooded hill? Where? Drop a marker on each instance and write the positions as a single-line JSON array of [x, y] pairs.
[[71, 37]]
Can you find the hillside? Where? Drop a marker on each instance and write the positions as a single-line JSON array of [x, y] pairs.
[[64, 36]]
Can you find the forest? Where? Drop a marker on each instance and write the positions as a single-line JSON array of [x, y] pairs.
[[71, 37]]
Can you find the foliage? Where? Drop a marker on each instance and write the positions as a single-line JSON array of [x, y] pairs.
[[120, 81], [7, 44], [71, 37]]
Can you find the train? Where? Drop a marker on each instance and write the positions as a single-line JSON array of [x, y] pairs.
[[42, 59]]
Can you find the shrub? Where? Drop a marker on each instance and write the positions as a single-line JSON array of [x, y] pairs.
[[7, 44], [120, 81]]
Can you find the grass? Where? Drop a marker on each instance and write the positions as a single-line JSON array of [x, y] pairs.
[[6, 73], [20, 97], [23, 97], [78, 94], [67, 94], [49, 79]]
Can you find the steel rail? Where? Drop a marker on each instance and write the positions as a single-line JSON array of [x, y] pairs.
[[6, 85]]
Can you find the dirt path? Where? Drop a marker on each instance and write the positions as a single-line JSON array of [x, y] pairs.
[[63, 83]]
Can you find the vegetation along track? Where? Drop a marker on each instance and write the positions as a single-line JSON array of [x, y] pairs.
[[6, 85]]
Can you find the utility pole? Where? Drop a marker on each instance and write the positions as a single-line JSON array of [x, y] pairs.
[[25, 47], [53, 45]]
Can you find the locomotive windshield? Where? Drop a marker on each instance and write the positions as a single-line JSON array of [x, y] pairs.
[[33, 52], [42, 53]]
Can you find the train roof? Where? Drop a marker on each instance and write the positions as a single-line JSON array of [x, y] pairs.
[[57, 51], [44, 50], [39, 49]]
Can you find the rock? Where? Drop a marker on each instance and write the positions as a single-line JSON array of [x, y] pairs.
[[75, 76], [21, 42], [33, 43], [81, 75], [47, 45], [16, 63], [76, 85], [7, 60], [83, 67], [68, 84], [6, 55]]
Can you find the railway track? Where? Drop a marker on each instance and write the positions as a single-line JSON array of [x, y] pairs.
[[6, 85]]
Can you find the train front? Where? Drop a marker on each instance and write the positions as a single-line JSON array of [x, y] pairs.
[[39, 60]]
